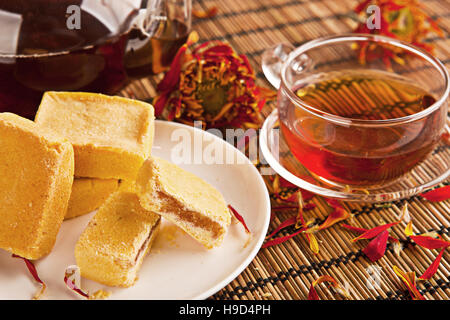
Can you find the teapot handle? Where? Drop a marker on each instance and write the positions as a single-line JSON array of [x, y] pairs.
[[273, 59], [150, 17]]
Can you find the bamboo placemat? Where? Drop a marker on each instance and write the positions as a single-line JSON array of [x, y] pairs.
[[286, 271]]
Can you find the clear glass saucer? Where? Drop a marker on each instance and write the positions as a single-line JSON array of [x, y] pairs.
[[432, 171]]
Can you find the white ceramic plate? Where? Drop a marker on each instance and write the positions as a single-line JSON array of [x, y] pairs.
[[177, 267]]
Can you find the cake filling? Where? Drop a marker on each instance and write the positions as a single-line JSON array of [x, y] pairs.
[[172, 206], [144, 247]]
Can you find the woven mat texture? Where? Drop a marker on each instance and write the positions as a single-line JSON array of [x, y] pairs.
[[286, 271]]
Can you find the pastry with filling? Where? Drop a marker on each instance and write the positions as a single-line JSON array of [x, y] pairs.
[[115, 242], [185, 199], [111, 136], [36, 175], [88, 194]]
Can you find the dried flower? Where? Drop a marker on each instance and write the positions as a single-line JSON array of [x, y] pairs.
[[400, 19], [213, 84]]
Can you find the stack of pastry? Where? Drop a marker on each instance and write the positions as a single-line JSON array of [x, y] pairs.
[[105, 143]]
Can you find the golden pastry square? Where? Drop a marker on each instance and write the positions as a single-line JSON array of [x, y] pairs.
[[115, 242], [185, 199], [88, 194], [36, 175], [111, 136]]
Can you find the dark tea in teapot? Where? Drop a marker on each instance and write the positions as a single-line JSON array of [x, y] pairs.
[[152, 55], [45, 50]]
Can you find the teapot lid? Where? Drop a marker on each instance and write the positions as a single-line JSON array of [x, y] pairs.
[[42, 27]]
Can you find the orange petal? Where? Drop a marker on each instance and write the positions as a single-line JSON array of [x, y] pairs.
[[326, 278], [409, 279], [313, 243], [209, 13], [337, 215], [409, 229]]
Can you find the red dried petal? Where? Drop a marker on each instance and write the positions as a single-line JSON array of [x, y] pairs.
[[439, 194], [429, 242], [312, 295], [261, 104], [363, 230], [286, 223], [246, 63], [32, 269], [172, 77], [160, 103], [334, 203], [239, 218], [282, 239], [377, 247], [71, 285], [219, 50], [371, 233], [432, 269]]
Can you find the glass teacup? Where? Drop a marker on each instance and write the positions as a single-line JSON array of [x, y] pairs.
[[353, 119]]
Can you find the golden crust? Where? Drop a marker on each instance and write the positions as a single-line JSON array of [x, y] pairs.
[[88, 194], [36, 175], [111, 136], [114, 244], [185, 199]]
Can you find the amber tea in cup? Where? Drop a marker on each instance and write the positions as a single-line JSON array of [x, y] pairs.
[[360, 125], [361, 156]]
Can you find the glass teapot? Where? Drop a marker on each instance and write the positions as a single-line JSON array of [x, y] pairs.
[[83, 45]]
